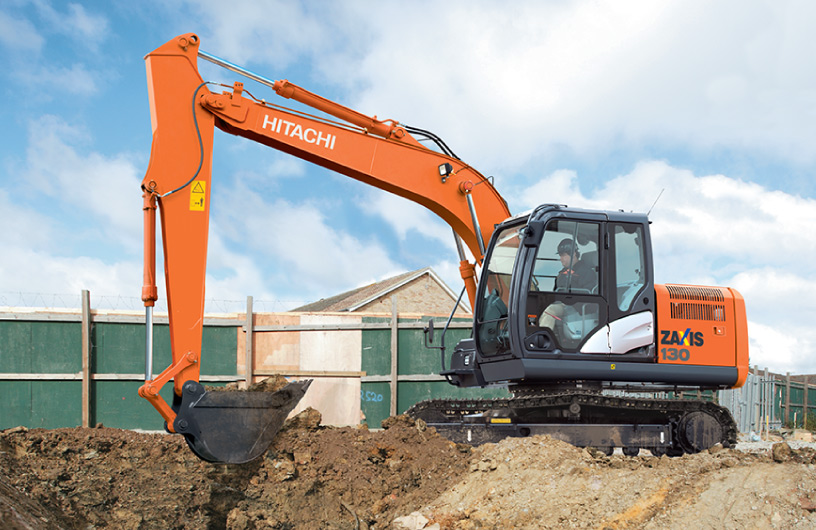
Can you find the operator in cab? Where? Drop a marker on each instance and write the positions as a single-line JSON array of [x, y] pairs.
[[574, 276]]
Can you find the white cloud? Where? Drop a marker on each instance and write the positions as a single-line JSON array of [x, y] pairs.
[[781, 348], [29, 37], [22, 227], [75, 21], [232, 276], [272, 32], [404, 216], [300, 242], [19, 34], [69, 209], [780, 311], [503, 86], [76, 80], [107, 187], [25, 270]]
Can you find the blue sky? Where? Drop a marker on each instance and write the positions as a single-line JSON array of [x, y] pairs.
[[591, 104]]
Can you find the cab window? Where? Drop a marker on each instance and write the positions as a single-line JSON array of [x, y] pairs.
[[563, 305], [630, 263], [567, 259], [491, 322]]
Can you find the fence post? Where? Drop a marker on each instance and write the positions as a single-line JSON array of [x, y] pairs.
[[394, 354], [787, 398], [249, 339], [86, 358], [770, 395], [805, 403]]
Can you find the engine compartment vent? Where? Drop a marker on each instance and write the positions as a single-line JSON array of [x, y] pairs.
[[691, 311], [696, 294]]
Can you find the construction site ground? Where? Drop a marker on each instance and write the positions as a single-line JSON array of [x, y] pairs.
[[403, 476]]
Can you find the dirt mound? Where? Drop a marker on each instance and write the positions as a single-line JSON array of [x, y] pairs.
[[540, 482], [352, 478], [317, 477], [107, 478], [312, 477]]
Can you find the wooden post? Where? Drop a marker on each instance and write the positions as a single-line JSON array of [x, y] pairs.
[[394, 354], [787, 398], [86, 358], [249, 339]]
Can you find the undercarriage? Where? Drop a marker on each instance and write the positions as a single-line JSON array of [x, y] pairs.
[[585, 419]]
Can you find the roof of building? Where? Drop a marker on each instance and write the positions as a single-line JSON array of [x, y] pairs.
[[357, 298]]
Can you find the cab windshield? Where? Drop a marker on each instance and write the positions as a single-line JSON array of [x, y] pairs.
[[491, 318]]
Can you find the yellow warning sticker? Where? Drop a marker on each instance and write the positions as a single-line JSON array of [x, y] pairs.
[[197, 195], [500, 420]]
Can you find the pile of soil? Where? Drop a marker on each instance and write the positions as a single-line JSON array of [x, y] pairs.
[[317, 477], [311, 477], [541, 482]]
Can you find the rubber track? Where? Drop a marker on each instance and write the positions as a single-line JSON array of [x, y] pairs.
[[620, 410]]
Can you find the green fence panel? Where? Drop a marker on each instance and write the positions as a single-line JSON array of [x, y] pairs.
[[375, 403], [375, 398], [780, 403], [16, 399], [40, 404], [56, 347], [218, 351], [376, 345], [797, 393], [116, 348], [40, 347], [117, 404], [413, 359], [120, 348]]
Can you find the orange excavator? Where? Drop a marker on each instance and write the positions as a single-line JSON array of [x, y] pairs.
[[566, 312]]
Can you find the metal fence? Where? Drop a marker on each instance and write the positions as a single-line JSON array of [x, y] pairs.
[[753, 405]]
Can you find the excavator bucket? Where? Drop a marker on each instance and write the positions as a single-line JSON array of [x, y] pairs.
[[234, 427]]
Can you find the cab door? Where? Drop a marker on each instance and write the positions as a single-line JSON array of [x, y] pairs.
[[630, 289], [565, 299]]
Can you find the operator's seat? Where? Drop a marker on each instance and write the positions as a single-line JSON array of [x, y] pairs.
[[591, 259]]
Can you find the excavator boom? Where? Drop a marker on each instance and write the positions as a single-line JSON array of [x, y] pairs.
[[184, 114]]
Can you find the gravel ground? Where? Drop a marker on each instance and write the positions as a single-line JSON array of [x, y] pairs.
[[762, 446]]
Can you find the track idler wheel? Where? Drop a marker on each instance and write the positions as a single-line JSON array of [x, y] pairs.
[[233, 427], [697, 431]]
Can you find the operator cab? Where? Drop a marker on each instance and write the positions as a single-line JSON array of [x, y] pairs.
[[565, 284]]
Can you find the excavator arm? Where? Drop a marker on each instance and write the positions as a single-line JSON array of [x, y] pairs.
[[184, 114]]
